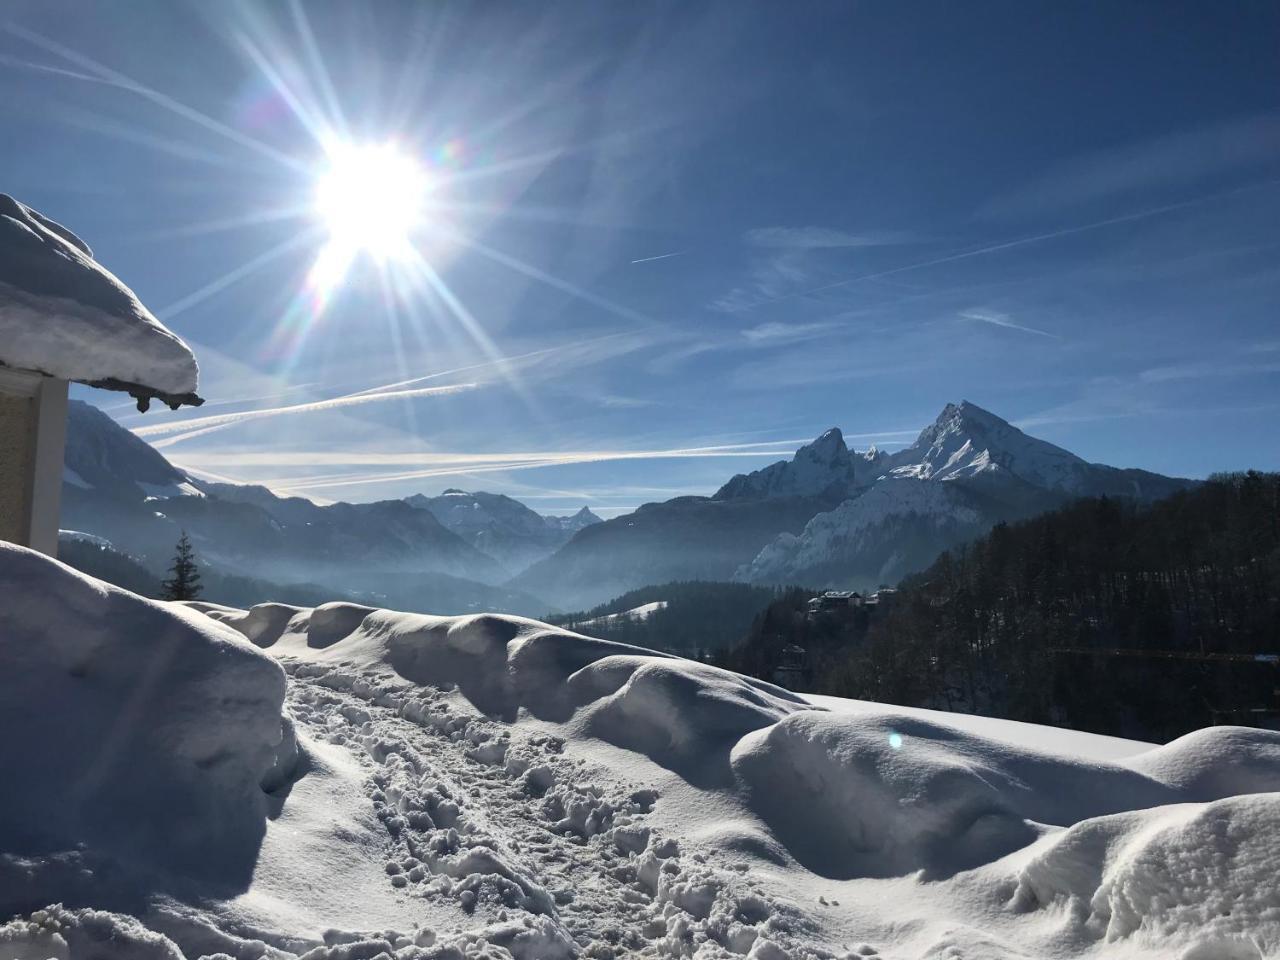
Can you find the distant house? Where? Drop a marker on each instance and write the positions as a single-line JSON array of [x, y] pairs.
[[64, 318], [835, 602], [881, 596]]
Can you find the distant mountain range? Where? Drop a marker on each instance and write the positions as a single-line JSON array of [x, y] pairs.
[[828, 517], [501, 527], [117, 487], [833, 517]]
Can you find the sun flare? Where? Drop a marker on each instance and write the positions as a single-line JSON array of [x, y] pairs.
[[370, 198]]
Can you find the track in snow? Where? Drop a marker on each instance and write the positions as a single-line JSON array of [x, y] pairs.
[[555, 859]]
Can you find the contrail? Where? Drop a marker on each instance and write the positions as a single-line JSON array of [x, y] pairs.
[[661, 256], [1000, 320], [300, 458], [496, 362], [201, 425], [535, 462], [1020, 242]]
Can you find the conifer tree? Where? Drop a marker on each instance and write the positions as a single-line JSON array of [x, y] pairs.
[[184, 575]]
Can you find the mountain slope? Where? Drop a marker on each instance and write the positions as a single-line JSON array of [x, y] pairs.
[[700, 538], [832, 516], [501, 527], [967, 442], [966, 472], [119, 488], [825, 466], [894, 528], [102, 455], [688, 538]]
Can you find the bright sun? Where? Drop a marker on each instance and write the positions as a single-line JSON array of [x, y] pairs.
[[370, 197]]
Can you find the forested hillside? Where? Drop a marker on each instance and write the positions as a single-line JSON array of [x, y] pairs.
[[1144, 621], [698, 618]]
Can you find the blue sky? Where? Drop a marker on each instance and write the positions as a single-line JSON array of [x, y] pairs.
[[666, 242]]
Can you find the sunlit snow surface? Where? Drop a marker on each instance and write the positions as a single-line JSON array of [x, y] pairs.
[[494, 787]]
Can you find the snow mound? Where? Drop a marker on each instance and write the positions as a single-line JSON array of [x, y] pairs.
[[888, 795], [63, 314], [1201, 875], [143, 732], [684, 715], [665, 707], [494, 788]]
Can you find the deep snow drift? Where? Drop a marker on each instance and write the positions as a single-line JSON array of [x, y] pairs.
[[494, 787]]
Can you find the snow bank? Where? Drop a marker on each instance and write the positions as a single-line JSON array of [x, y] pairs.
[[890, 795], [63, 314], [1201, 875], [493, 787], [136, 736], [663, 706]]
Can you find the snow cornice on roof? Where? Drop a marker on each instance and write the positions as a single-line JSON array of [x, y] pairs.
[[64, 315]]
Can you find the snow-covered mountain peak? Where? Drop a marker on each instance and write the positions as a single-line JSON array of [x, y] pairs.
[[967, 441], [823, 466]]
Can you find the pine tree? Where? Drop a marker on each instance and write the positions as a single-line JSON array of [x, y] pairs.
[[184, 579]]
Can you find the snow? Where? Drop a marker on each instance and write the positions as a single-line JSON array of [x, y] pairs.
[[820, 467], [1093, 746], [63, 314], [642, 612], [112, 703], [490, 786], [162, 491], [967, 441], [83, 537], [852, 527]]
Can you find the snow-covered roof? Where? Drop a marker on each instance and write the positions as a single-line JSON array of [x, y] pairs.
[[63, 314]]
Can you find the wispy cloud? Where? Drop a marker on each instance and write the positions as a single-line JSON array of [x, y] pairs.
[[1004, 320], [1202, 370], [818, 238], [772, 276], [670, 360], [787, 258], [1169, 161], [774, 333], [746, 303]]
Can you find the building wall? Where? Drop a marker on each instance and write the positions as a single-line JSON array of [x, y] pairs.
[[17, 462]]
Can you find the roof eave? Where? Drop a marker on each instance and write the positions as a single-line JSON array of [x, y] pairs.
[[144, 394]]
